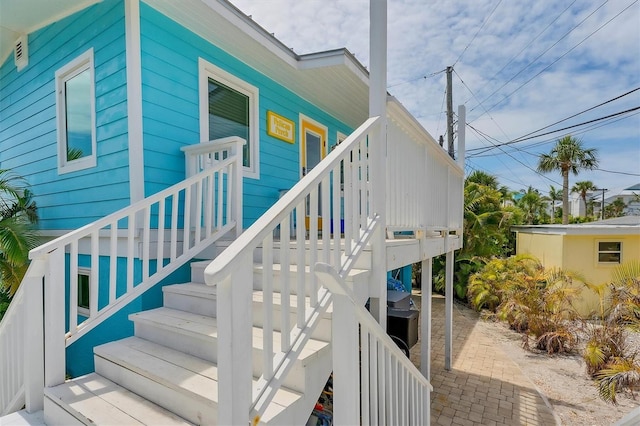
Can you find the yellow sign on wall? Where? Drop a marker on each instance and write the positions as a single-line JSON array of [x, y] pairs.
[[280, 127]]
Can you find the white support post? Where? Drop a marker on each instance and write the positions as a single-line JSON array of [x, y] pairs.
[[34, 344], [237, 187], [462, 127], [346, 377], [448, 306], [378, 151], [54, 324], [234, 345], [425, 318], [134, 99]]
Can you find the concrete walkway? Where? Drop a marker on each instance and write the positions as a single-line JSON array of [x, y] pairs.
[[484, 386]]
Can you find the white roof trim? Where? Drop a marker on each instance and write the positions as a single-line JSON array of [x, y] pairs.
[[578, 229]]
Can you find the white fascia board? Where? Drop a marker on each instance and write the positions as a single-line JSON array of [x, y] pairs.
[[578, 230], [235, 16], [336, 57]]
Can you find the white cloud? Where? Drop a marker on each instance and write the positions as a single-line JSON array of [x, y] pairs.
[[425, 37]]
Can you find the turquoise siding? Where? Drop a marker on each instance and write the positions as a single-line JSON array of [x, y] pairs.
[[28, 138], [170, 55]]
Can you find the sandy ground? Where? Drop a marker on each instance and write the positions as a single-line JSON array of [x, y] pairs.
[[562, 379]]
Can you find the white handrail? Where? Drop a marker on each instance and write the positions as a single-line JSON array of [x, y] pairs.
[[133, 249], [331, 212], [21, 346], [389, 389]]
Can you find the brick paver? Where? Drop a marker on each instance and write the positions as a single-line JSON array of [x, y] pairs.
[[484, 386]]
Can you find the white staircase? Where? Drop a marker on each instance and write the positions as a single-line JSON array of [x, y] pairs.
[[167, 374]]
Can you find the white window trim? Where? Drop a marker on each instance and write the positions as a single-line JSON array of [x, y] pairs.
[[84, 311], [598, 251], [80, 64], [207, 70]]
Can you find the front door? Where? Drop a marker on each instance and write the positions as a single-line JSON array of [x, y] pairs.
[[313, 148]]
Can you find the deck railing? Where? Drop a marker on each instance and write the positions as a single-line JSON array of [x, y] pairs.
[[332, 216], [125, 254], [374, 382], [424, 185]]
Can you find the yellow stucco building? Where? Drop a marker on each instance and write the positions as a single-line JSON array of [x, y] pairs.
[[592, 249]]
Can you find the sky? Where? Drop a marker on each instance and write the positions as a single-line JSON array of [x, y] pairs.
[[519, 67]]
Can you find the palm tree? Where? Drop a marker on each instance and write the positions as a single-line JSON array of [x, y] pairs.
[[17, 215], [554, 195], [483, 178], [532, 204], [582, 188], [568, 155]]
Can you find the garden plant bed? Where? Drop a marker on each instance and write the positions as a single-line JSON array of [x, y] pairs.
[[563, 380]]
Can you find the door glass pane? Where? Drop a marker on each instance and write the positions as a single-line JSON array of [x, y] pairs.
[[314, 151], [78, 115], [229, 115]]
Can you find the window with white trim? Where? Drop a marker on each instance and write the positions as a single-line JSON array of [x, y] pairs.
[[609, 251], [83, 292], [229, 107], [76, 114]]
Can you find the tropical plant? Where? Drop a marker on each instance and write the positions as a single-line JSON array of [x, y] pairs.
[[615, 208], [621, 373], [554, 195], [533, 205], [625, 295], [607, 354], [582, 188], [531, 300], [5, 300], [18, 213], [568, 155]]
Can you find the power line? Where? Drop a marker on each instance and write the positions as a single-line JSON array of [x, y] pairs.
[[537, 57], [525, 165], [546, 141], [474, 95], [477, 32], [525, 47], [560, 130], [559, 58], [582, 112], [433, 74], [618, 173]]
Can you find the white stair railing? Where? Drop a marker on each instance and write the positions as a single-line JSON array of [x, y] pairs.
[[21, 346], [424, 184], [327, 216], [381, 385], [127, 253]]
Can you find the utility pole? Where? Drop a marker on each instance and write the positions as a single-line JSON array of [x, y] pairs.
[[602, 204], [450, 113]]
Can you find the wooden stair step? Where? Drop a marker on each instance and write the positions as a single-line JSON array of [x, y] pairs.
[[206, 328], [190, 378], [97, 400]]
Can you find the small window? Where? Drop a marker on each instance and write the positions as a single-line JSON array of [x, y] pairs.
[[75, 101], [229, 107], [609, 251], [83, 293]]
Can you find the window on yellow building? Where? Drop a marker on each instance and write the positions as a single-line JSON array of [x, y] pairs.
[[609, 251]]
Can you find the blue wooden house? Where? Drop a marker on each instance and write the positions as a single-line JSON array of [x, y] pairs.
[[216, 210]]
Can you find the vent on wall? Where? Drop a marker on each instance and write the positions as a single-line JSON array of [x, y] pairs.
[[21, 53]]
